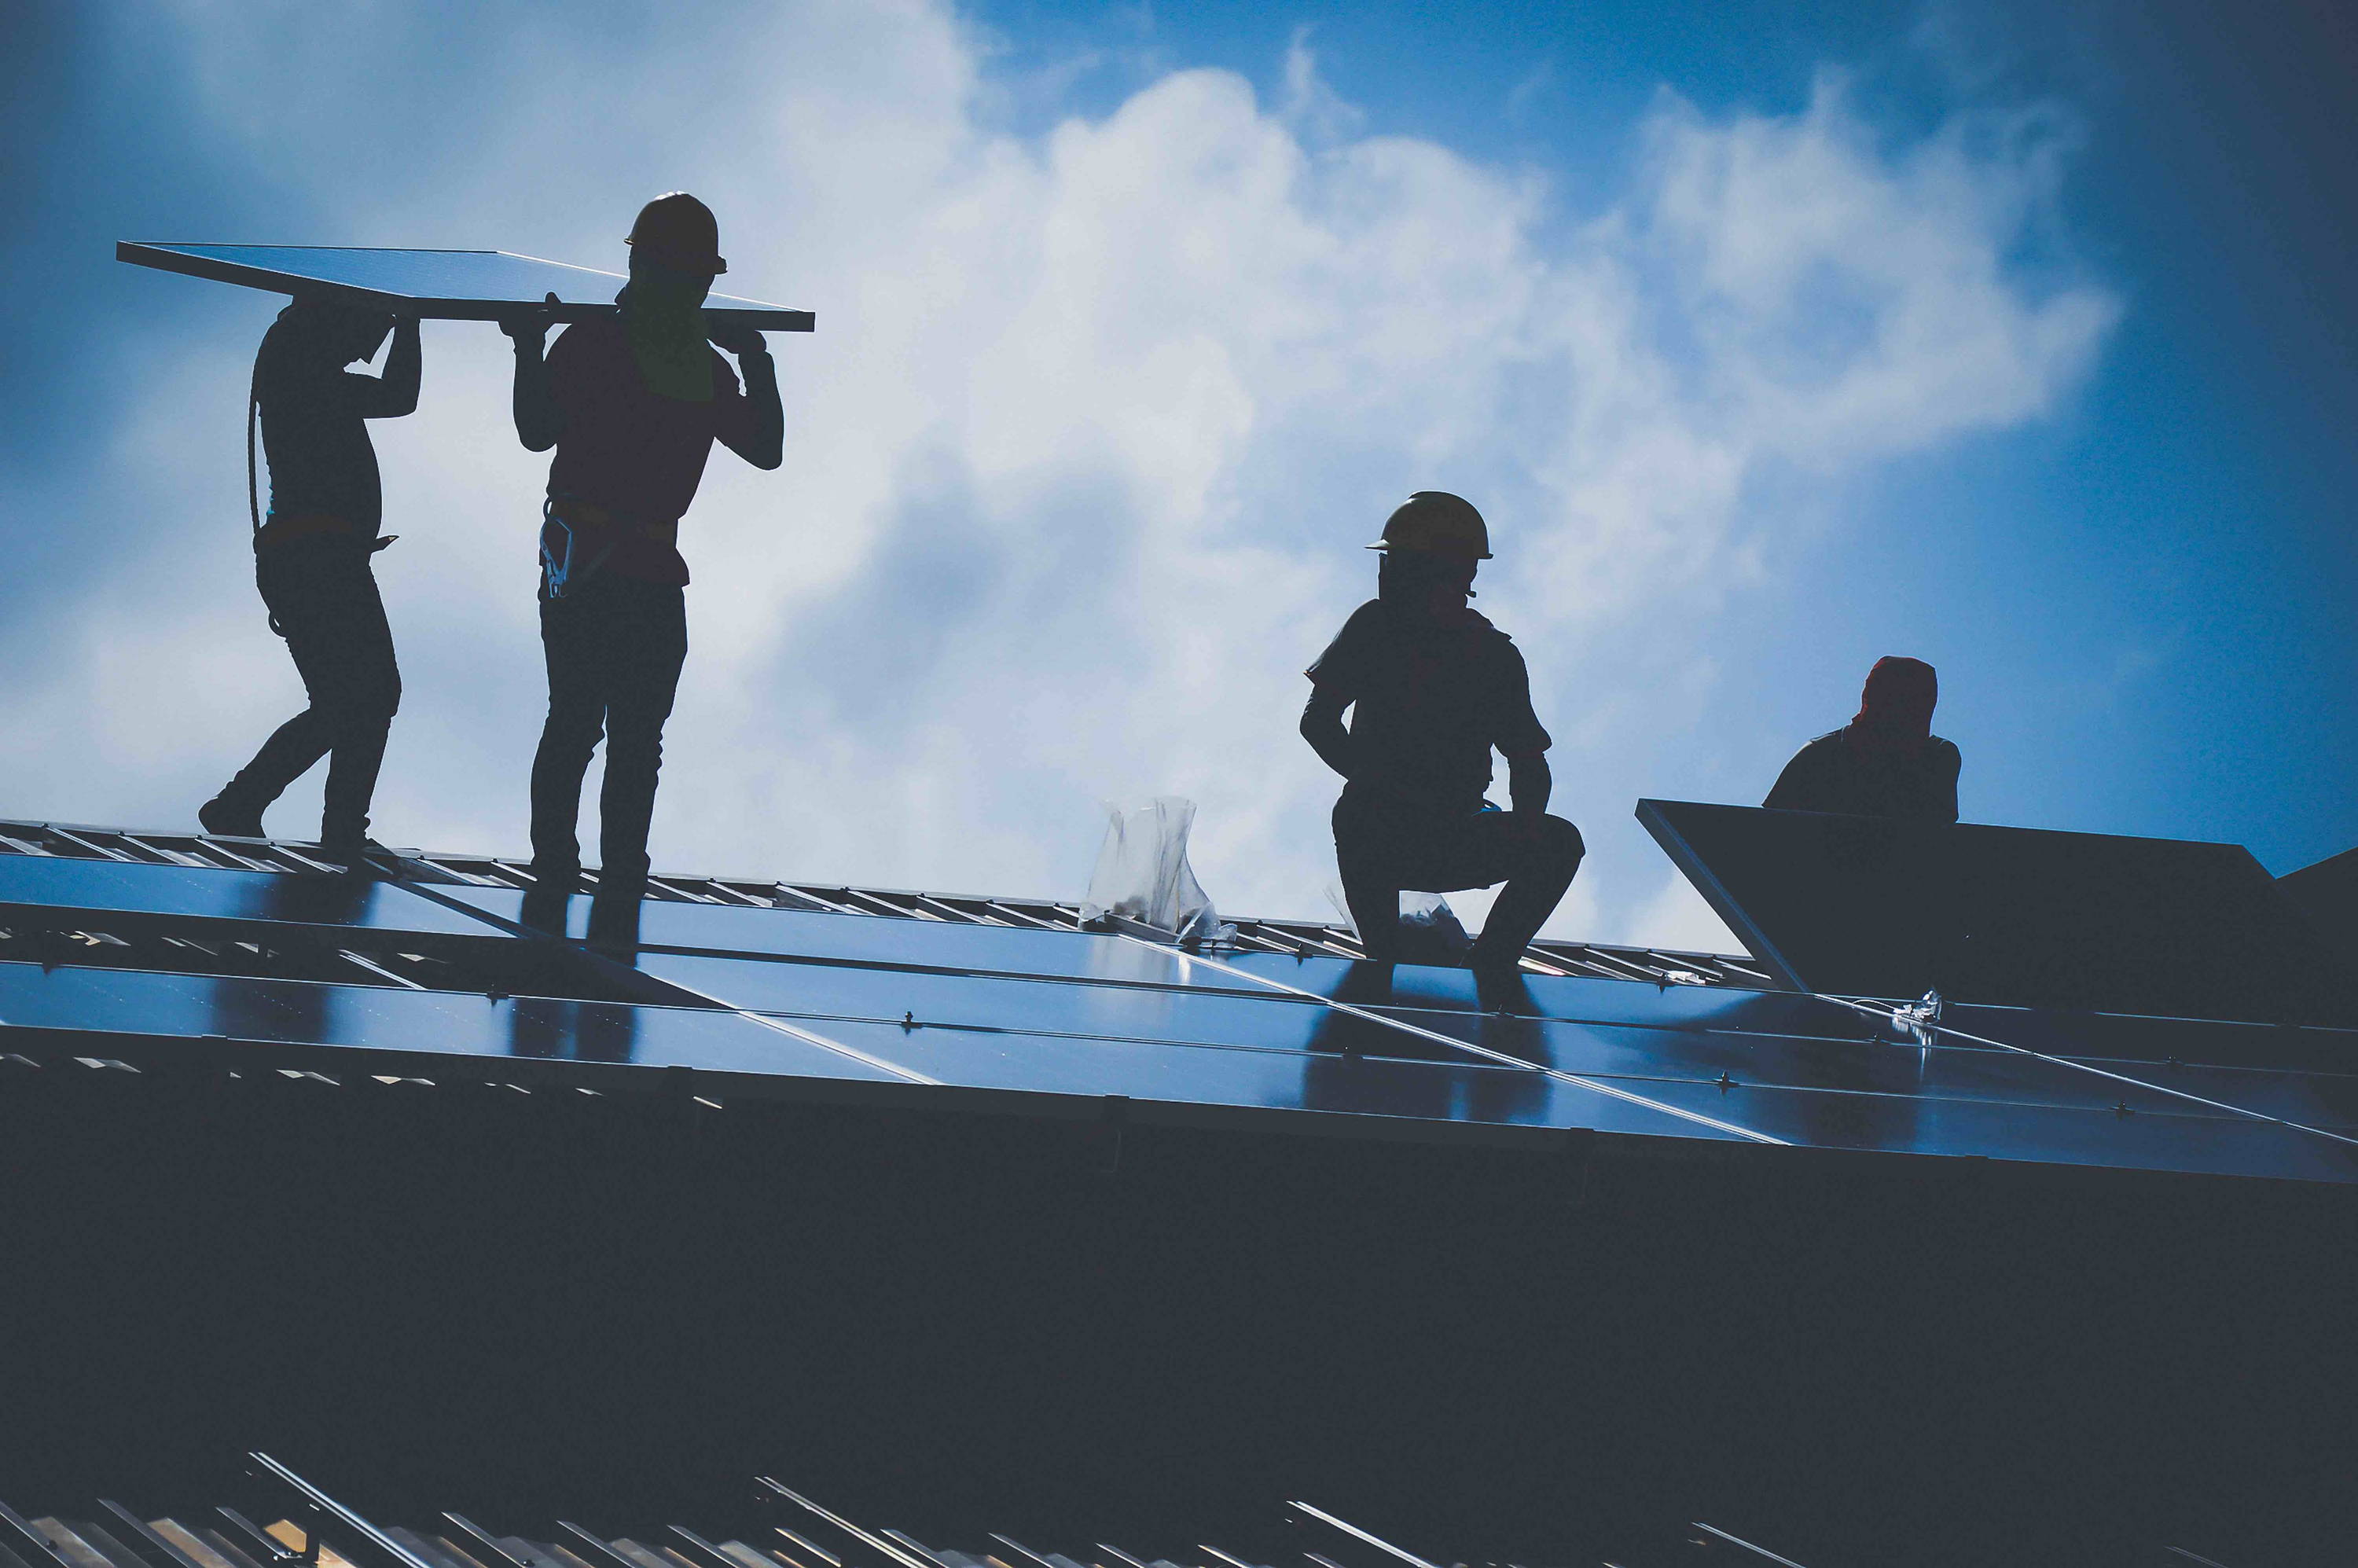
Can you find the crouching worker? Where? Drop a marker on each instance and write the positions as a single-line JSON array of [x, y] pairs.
[[314, 562], [1434, 687]]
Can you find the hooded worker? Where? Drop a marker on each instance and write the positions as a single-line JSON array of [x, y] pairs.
[[1886, 762], [632, 403], [314, 562], [1433, 689]]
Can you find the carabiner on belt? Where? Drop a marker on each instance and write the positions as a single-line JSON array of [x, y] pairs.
[[560, 546]]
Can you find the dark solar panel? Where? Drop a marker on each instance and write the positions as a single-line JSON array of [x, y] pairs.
[[1269, 1021], [47, 883], [868, 939], [1872, 906], [2201, 1144], [463, 285], [2306, 1075], [362, 1023], [1328, 1082], [1579, 1000]]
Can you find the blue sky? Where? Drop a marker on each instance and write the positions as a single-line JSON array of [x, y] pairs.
[[2018, 337]]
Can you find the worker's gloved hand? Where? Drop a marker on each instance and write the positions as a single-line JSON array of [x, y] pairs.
[[736, 338], [529, 326]]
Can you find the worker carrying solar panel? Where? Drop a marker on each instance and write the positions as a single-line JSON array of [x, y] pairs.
[[632, 403], [1434, 688], [1886, 762], [314, 560]]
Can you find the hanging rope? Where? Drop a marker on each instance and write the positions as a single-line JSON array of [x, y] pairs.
[[252, 410]]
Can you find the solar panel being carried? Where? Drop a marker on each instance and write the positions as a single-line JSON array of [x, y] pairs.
[[454, 285]]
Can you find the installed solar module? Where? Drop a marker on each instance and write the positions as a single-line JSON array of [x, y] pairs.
[[455, 285], [414, 971]]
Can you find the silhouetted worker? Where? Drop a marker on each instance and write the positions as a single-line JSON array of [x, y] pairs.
[[314, 561], [1434, 687], [633, 404], [1884, 763]]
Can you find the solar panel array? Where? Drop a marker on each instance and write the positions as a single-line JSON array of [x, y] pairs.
[[1659, 965], [393, 973]]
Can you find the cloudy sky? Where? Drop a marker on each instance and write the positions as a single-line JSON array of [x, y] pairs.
[[1771, 339]]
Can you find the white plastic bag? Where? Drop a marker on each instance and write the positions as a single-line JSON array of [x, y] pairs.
[[1430, 930], [1142, 872]]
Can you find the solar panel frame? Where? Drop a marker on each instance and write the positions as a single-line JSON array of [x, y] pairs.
[[2062, 920], [268, 268]]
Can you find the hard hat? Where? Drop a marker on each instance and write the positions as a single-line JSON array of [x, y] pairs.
[[678, 231], [1437, 523]]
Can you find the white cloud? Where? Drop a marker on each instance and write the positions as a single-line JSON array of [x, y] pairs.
[[1677, 918], [1080, 458]]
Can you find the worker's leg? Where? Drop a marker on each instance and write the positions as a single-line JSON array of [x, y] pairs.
[[291, 749], [576, 645], [1540, 869], [649, 640], [303, 740], [1370, 886], [356, 680]]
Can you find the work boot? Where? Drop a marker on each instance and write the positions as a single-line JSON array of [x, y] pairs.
[[227, 819], [351, 851], [547, 903], [1500, 987], [614, 919]]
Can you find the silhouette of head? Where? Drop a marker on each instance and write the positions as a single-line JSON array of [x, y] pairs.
[[678, 231], [1433, 543], [1899, 699], [1425, 582]]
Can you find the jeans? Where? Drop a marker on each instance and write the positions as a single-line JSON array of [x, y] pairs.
[[615, 645], [1383, 847], [323, 599]]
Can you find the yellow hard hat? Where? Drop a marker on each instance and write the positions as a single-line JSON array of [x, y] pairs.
[[1437, 523]]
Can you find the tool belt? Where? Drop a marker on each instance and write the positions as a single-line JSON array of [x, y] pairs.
[[283, 529], [577, 536]]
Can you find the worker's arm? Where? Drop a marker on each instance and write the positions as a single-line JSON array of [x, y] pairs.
[[1523, 740], [538, 420], [760, 438], [393, 393], [1951, 765], [1528, 784], [1322, 726], [1796, 787]]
